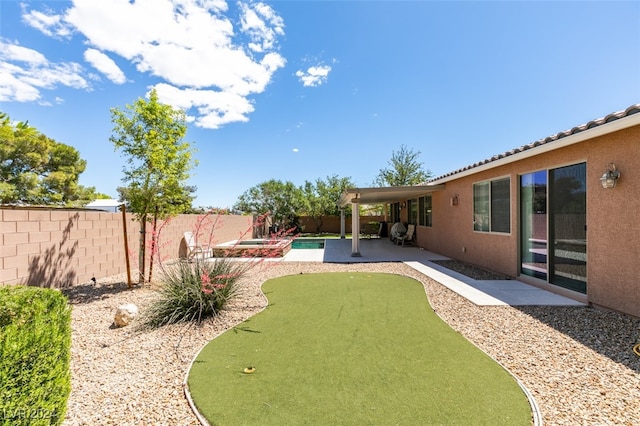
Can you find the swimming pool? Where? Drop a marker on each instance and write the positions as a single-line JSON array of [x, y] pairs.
[[265, 248], [308, 243]]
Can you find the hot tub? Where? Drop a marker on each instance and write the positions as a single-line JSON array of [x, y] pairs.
[[253, 248]]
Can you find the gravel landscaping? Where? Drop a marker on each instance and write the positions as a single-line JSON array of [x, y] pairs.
[[578, 363]]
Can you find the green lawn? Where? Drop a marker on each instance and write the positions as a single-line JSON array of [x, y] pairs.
[[351, 349]]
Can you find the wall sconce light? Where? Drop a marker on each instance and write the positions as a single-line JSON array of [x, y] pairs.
[[403, 205], [610, 177], [455, 200]]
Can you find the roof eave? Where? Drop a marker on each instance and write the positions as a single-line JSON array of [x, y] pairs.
[[604, 129], [390, 194]]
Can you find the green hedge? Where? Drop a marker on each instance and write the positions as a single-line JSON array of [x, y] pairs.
[[35, 350]]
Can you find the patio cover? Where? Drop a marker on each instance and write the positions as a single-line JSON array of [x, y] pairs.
[[381, 195]]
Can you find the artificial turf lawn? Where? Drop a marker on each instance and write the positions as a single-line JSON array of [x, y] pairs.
[[351, 349]]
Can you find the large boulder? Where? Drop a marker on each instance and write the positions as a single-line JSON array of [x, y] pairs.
[[125, 314]]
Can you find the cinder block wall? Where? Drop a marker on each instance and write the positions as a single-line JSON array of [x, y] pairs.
[[61, 248], [331, 224]]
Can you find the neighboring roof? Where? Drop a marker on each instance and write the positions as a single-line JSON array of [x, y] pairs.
[[108, 205], [388, 194], [104, 203], [32, 207], [608, 124]]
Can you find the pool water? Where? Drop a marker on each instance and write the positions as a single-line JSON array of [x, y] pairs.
[[307, 243]]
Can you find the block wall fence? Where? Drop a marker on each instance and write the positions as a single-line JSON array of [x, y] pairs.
[[331, 224], [61, 248]]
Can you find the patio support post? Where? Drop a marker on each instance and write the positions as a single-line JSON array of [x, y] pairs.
[[342, 225], [355, 230]]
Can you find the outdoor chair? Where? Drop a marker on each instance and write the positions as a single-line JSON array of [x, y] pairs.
[[397, 231], [407, 238], [195, 250]]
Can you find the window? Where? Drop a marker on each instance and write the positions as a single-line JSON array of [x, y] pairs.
[[395, 212], [424, 209], [492, 206], [481, 207], [413, 211], [501, 205]]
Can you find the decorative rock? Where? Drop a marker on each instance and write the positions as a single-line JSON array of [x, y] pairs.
[[125, 314]]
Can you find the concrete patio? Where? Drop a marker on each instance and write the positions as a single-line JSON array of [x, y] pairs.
[[480, 292]]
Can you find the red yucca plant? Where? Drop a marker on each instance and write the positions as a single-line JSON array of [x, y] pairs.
[[192, 291]]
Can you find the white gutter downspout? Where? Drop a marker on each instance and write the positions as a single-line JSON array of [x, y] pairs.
[[342, 224]]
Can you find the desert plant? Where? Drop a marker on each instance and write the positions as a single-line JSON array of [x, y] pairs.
[[193, 292], [35, 351]]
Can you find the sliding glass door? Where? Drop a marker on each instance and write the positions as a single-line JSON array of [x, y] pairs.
[[553, 226], [533, 224], [568, 227]]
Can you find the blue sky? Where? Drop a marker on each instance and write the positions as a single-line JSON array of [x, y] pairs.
[[301, 90]]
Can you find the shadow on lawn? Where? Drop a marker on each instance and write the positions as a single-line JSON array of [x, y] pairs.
[[609, 333]]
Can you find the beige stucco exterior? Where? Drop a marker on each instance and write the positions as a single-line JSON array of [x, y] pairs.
[[613, 219]]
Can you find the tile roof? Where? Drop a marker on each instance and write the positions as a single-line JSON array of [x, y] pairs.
[[633, 109]]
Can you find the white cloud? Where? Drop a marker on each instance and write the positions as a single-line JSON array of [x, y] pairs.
[[192, 46], [65, 73], [105, 65], [17, 53], [209, 62], [262, 25], [50, 24], [296, 150], [314, 76], [12, 89], [24, 72], [213, 108]]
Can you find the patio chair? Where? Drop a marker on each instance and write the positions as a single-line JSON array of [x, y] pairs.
[[408, 236], [194, 249], [397, 231]]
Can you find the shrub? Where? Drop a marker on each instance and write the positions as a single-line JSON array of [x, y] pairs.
[[35, 351], [193, 292]]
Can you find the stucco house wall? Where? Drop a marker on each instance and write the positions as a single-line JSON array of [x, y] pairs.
[[613, 224]]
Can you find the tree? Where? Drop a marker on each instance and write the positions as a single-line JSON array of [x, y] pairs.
[[404, 169], [35, 169], [150, 134], [321, 198], [209, 210], [283, 200]]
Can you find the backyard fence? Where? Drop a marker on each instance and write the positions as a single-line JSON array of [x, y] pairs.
[[58, 248], [331, 224]]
